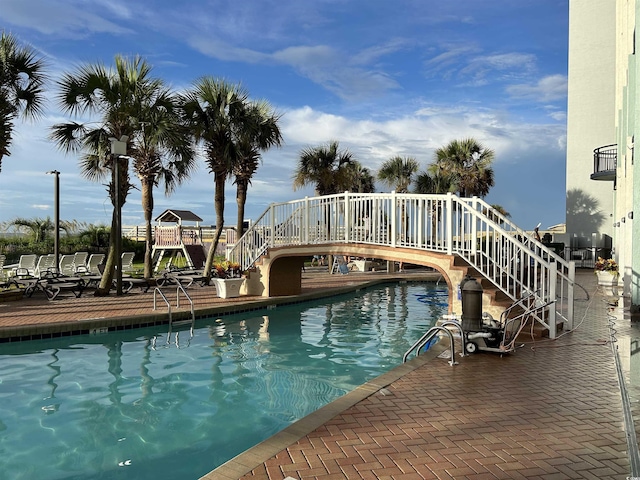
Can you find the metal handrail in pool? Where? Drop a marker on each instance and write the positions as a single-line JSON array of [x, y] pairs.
[[428, 336]]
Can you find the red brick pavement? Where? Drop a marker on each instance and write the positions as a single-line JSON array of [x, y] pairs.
[[552, 410]]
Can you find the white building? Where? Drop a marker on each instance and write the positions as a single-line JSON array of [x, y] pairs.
[[602, 190]]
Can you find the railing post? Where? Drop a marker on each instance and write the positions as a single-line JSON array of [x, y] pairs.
[[553, 280], [474, 228], [307, 222], [449, 228], [394, 217], [570, 293], [272, 225], [347, 216]]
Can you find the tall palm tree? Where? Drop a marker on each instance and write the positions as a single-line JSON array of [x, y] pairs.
[[259, 133], [21, 87], [326, 167], [163, 152], [216, 111], [358, 178], [434, 180], [470, 163], [122, 97], [398, 172]]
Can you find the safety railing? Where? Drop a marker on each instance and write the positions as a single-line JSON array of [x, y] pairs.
[[468, 227], [426, 338]]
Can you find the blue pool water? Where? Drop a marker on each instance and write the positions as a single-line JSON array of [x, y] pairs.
[[146, 405]]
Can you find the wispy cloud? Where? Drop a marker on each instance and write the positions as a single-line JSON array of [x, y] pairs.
[[547, 89]]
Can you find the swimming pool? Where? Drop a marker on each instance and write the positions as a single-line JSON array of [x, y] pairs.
[[143, 404]]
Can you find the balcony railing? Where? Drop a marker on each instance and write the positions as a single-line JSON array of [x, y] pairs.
[[604, 163]]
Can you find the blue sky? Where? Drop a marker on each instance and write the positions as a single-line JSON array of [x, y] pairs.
[[382, 77]]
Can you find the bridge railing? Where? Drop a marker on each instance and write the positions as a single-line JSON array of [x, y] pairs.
[[507, 255]]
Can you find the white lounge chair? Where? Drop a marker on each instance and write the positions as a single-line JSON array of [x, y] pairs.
[[66, 265], [127, 261], [80, 260], [95, 259], [46, 263], [26, 263]]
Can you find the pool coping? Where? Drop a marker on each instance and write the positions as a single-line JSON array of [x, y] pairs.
[[105, 324], [257, 455]]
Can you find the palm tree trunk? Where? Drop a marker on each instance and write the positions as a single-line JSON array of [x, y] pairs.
[[147, 208], [110, 264], [241, 200], [220, 179]]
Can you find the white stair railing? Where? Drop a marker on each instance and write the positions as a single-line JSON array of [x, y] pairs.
[[468, 227]]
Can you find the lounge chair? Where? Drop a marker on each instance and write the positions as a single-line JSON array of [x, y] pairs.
[[65, 267], [94, 260], [46, 263], [127, 262], [80, 260], [26, 262]]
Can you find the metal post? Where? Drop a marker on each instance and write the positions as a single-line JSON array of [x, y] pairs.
[[118, 222], [56, 216], [118, 150]]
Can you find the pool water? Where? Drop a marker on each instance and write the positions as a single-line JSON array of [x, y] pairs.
[[148, 404]]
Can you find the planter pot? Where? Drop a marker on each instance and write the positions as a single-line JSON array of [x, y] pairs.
[[228, 287], [608, 282]]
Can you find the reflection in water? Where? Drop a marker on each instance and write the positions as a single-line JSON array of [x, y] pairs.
[[153, 411], [52, 407]]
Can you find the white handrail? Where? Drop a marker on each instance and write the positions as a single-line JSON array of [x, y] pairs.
[[468, 227]]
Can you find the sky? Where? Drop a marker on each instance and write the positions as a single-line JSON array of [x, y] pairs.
[[382, 77]]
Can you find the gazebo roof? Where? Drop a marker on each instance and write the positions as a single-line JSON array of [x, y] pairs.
[[178, 216]]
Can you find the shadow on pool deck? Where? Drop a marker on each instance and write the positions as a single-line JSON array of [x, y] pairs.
[[551, 410]]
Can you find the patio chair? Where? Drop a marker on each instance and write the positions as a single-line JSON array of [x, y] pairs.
[[26, 262], [65, 267], [127, 261], [80, 260], [95, 259], [46, 263]]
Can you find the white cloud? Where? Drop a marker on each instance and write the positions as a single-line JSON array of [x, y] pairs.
[[547, 89]]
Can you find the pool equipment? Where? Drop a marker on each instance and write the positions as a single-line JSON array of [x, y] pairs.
[[482, 332]]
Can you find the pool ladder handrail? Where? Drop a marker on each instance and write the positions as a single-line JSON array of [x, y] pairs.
[[193, 315], [422, 341]]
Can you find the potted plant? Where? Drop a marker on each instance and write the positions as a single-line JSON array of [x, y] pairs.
[[606, 270], [227, 278]]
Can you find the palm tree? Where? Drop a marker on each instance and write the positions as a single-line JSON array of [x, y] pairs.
[[163, 152], [470, 164], [358, 179], [217, 111], [122, 97], [436, 180], [259, 133], [21, 80], [325, 166], [40, 228], [398, 173]]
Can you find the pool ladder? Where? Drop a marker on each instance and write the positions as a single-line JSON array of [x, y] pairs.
[[193, 315], [432, 332]]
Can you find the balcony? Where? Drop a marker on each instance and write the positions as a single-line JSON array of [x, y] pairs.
[[604, 163]]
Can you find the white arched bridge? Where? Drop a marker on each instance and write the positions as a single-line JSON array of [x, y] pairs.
[[454, 235]]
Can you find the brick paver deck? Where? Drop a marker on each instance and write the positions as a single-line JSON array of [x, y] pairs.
[[552, 410]]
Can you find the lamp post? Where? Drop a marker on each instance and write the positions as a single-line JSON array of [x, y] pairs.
[[56, 215], [118, 150]]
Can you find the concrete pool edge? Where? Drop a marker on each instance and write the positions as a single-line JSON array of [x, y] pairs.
[[39, 331], [257, 455]]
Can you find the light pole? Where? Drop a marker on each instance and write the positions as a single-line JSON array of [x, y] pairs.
[[118, 150], [56, 216]]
